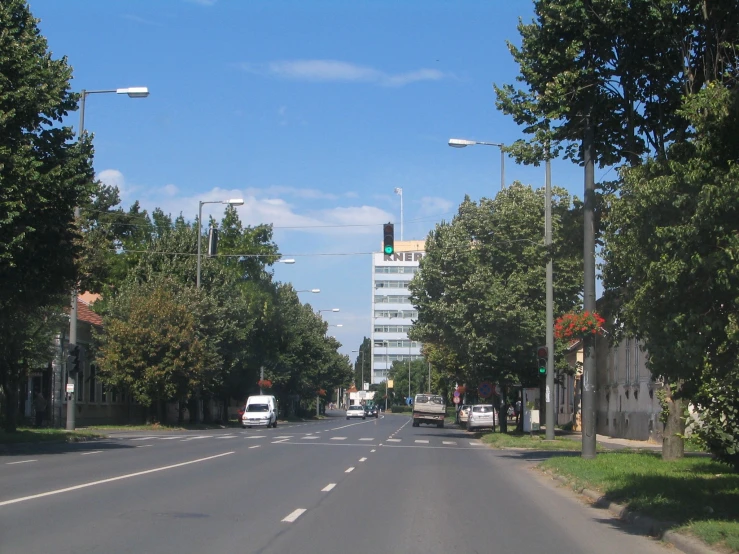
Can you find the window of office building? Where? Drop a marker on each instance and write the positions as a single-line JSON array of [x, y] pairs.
[[392, 328], [396, 357], [392, 299], [394, 314], [396, 344], [396, 269], [391, 284]]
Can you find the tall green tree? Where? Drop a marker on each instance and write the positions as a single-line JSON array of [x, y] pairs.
[[44, 174], [480, 293], [671, 251], [363, 363]]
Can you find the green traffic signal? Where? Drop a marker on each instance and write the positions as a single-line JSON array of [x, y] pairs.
[[388, 238], [542, 370], [388, 250], [542, 353]]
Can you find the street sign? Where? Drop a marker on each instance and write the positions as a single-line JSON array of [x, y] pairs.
[[485, 389], [70, 387], [457, 400], [457, 394]]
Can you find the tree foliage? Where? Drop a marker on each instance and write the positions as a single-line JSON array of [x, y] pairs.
[[672, 245], [44, 174], [480, 292]]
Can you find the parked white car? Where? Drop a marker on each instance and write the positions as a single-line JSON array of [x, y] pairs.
[[463, 414], [260, 411], [357, 410], [481, 416]]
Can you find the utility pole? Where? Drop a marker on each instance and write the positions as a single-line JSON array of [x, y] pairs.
[[550, 301], [588, 374]]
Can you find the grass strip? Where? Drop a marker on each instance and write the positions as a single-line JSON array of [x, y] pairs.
[[529, 442], [29, 435], [699, 495]]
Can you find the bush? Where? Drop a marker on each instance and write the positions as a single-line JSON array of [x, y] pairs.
[[718, 408], [401, 409]]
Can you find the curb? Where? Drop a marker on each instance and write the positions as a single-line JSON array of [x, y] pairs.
[[660, 529]]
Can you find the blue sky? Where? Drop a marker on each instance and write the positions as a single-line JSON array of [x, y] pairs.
[[312, 111]]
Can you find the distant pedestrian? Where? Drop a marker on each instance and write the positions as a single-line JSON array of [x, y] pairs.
[[39, 403]]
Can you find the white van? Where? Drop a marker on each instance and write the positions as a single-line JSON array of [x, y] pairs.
[[260, 411]]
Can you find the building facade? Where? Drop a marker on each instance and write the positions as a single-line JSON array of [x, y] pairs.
[[392, 311]]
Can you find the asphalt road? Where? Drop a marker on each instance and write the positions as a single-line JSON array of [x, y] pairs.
[[334, 486]]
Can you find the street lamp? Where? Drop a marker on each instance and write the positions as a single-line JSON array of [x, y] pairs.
[[461, 143], [337, 325], [232, 202], [132, 92], [331, 310], [287, 261], [314, 291]]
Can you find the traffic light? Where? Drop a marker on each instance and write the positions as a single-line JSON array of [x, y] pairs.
[[73, 360], [388, 242], [212, 242], [542, 355]]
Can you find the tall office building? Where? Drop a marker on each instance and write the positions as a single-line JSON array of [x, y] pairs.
[[392, 312]]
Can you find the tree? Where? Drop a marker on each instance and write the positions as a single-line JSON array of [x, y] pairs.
[[153, 345], [44, 174], [671, 255], [480, 292], [363, 363]]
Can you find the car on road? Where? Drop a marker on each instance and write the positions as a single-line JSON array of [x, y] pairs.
[[260, 410], [481, 416], [371, 411], [357, 410], [463, 414]]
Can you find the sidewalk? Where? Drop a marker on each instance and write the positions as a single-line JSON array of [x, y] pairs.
[[612, 442]]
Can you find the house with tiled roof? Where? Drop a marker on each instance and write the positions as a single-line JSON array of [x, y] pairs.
[[95, 404]]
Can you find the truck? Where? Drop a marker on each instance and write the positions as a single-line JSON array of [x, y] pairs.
[[429, 408]]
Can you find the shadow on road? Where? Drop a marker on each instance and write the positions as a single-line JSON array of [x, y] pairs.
[[25, 449]]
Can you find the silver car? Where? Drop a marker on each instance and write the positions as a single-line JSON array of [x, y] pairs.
[[463, 414], [481, 416], [356, 411]]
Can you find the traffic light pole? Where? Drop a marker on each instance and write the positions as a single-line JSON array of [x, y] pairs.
[[549, 391]]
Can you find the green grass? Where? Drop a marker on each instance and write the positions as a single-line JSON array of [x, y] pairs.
[[699, 495], [537, 442], [28, 435]]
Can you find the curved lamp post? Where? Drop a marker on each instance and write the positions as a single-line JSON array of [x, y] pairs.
[[461, 143]]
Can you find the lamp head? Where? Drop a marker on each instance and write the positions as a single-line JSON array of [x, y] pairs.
[[134, 92], [236, 202], [460, 143]]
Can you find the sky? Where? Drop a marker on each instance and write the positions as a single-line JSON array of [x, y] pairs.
[[313, 112]]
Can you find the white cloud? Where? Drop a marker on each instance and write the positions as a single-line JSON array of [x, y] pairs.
[[338, 71], [311, 194], [171, 190], [114, 178]]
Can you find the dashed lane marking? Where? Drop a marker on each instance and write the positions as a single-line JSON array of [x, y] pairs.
[[393, 440], [373, 450], [20, 462], [362, 459], [275, 442], [93, 452], [328, 487], [144, 438], [144, 445], [256, 437], [310, 438], [198, 437], [338, 438], [421, 441], [366, 439], [284, 437], [227, 437], [448, 442], [255, 446], [294, 515], [476, 443], [349, 470]]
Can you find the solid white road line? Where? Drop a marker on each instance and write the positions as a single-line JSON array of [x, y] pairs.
[[362, 459], [93, 452], [421, 441], [255, 446], [111, 479], [349, 470], [328, 487], [21, 462], [294, 515], [338, 438]]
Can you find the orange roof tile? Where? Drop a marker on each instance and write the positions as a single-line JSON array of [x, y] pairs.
[[84, 313]]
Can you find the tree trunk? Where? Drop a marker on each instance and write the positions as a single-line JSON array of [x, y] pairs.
[[181, 413], [673, 443], [207, 412], [193, 406], [10, 390]]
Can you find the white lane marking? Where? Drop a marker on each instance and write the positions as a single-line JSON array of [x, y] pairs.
[[328, 487], [21, 462], [227, 437], [421, 441], [93, 452], [393, 440], [168, 438], [294, 515], [144, 445], [349, 470], [476, 443], [284, 437], [275, 442], [349, 425], [448, 442], [373, 450], [255, 446], [366, 439], [338, 438], [310, 438], [196, 438], [255, 437], [110, 480], [143, 438], [362, 459]]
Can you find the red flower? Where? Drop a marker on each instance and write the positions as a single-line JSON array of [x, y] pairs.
[[576, 325], [264, 384]]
